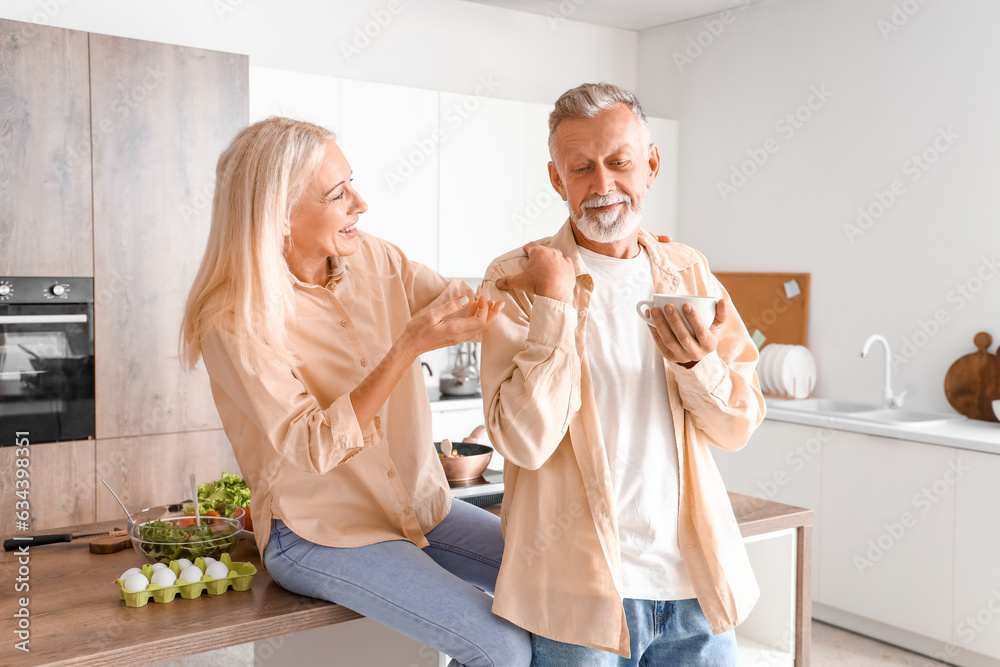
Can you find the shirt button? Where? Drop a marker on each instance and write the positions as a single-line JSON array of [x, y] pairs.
[[408, 511], [364, 362], [391, 473], [344, 323]]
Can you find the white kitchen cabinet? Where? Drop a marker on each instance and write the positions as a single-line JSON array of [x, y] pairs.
[[309, 97], [782, 462], [660, 216], [544, 210], [390, 136], [482, 182], [885, 551], [976, 619]]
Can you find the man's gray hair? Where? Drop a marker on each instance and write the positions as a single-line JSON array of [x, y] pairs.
[[587, 101]]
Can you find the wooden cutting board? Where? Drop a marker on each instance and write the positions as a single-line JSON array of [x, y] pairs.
[[973, 382]]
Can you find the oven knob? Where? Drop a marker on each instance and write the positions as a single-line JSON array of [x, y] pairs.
[[58, 290], [5, 290]]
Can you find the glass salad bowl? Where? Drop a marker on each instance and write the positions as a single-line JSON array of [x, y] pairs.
[[166, 533]]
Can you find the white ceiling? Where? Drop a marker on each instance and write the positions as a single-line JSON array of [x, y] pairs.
[[627, 14]]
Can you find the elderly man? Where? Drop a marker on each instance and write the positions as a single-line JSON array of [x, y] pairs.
[[621, 545]]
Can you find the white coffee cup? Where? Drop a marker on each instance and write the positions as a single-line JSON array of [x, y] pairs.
[[704, 306]]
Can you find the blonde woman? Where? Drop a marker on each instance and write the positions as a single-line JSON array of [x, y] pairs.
[[311, 333]]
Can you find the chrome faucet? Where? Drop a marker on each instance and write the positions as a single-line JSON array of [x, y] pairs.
[[889, 400]]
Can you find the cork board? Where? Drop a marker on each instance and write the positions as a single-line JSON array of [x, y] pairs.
[[774, 306]]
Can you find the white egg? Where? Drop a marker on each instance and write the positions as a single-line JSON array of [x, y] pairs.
[[136, 582], [184, 563], [191, 574], [126, 573], [164, 577], [217, 570], [208, 561], [158, 566]]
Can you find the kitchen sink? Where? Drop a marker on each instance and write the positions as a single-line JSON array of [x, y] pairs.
[[824, 405], [871, 413], [908, 417]]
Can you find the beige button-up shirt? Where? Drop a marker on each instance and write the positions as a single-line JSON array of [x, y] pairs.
[[561, 572], [294, 432]]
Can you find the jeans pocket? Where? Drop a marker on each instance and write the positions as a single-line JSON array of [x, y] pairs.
[[283, 536]]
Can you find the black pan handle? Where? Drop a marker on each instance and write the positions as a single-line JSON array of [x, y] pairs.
[[36, 541]]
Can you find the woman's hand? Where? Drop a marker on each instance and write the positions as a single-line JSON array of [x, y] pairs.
[[447, 325]]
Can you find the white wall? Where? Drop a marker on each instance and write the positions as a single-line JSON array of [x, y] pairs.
[[891, 96], [438, 44]]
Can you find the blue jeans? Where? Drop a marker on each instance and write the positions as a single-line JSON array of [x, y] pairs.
[[431, 595], [671, 633]]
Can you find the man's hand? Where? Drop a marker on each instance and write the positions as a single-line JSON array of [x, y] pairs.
[[676, 343], [548, 273]]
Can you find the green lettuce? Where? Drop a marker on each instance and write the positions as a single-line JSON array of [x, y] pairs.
[[230, 489]]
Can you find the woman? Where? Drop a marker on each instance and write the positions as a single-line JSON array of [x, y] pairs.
[[311, 333]]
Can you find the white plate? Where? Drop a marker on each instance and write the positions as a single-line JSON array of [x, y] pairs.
[[798, 372], [765, 353], [782, 379], [771, 367]]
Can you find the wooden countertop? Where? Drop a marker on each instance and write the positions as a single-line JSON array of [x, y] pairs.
[[76, 617]]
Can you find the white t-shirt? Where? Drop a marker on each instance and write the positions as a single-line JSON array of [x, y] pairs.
[[631, 392]]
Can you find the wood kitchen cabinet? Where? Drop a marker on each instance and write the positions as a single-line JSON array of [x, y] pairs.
[[45, 180], [162, 114], [154, 469], [62, 486]]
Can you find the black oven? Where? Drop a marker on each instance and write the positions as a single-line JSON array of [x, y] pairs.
[[46, 359]]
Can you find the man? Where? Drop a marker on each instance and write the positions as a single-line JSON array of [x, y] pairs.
[[621, 545]]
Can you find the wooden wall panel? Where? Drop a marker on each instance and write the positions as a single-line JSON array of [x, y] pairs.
[[45, 179], [171, 111], [61, 486], [154, 470]]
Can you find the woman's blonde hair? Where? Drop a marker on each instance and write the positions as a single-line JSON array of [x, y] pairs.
[[243, 285]]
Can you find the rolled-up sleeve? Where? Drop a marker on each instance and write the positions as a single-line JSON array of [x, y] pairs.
[[721, 393], [530, 375], [312, 437]]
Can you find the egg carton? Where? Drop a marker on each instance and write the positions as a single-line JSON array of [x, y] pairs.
[[239, 578]]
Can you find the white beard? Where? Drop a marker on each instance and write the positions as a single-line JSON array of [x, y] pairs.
[[609, 226]]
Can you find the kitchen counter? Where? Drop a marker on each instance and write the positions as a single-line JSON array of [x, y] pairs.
[[77, 618], [964, 433]]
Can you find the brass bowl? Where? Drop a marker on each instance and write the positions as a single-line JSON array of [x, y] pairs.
[[470, 463]]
